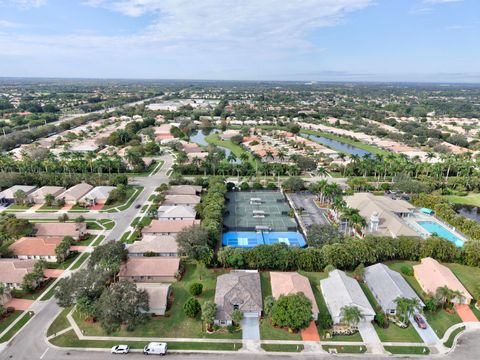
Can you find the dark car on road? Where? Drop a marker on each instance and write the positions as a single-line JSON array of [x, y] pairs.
[[420, 322], [137, 206]]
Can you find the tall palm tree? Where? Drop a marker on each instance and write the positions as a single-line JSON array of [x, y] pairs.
[[351, 315], [406, 307]]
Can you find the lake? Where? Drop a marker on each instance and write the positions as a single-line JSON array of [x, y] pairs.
[[337, 145], [469, 211], [199, 138]]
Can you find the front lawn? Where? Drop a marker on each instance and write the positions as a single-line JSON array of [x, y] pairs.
[[93, 225], [60, 323], [174, 323], [346, 349], [132, 193], [282, 348], [80, 261], [21, 294], [23, 320], [352, 338], [6, 321], [269, 332], [315, 278], [440, 321], [396, 334], [408, 350], [64, 265]]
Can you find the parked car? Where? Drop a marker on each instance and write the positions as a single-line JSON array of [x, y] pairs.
[[137, 206], [420, 322], [155, 348], [120, 349]]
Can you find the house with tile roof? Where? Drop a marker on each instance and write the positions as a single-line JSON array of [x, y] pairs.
[[38, 196], [12, 271], [38, 248], [168, 227], [72, 195], [58, 229], [160, 245], [146, 269]]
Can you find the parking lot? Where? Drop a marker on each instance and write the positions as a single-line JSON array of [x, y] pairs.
[[309, 212]]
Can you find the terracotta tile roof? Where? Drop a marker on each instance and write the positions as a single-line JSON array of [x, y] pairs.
[[284, 283], [35, 246], [150, 266], [184, 189], [59, 229], [13, 270]]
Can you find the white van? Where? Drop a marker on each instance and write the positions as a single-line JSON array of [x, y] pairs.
[[155, 348]]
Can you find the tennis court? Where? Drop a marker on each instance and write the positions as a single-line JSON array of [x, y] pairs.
[[246, 239], [257, 210]]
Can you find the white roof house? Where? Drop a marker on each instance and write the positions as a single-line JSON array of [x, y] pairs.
[[8, 195], [98, 195], [387, 285], [38, 196], [75, 193], [341, 290], [176, 212]]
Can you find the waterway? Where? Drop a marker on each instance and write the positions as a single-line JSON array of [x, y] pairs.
[[469, 211], [337, 145], [199, 138]]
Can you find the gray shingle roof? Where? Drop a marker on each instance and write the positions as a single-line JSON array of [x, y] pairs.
[[387, 285]]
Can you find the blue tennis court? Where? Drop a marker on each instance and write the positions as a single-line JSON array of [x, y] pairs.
[[252, 239]]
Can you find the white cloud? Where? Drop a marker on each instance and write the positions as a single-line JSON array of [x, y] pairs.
[[9, 24], [25, 4]]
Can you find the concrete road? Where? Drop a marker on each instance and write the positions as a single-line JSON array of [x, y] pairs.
[[468, 348], [311, 214], [30, 343]]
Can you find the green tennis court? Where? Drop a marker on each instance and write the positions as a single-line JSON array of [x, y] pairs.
[[253, 210]]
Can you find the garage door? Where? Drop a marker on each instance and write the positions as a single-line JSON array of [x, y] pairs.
[[251, 314]]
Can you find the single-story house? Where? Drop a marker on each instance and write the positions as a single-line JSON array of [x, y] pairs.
[[38, 196], [176, 200], [160, 245], [12, 271], [384, 215], [38, 248], [150, 269], [284, 283], [341, 290], [75, 193], [167, 227], [182, 212], [387, 285], [98, 195], [431, 275], [57, 229], [184, 190], [239, 289], [157, 297], [7, 196]]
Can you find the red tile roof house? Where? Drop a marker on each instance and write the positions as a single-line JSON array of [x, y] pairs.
[[12, 271], [184, 190], [150, 269], [75, 193], [57, 229], [167, 227], [431, 275], [37, 248], [284, 283]]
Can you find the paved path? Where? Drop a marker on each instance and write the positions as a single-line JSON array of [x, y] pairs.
[[465, 313], [370, 337], [250, 328], [310, 333]]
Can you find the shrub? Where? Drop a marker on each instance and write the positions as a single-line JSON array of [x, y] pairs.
[[196, 289], [244, 186], [257, 186], [407, 270], [191, 308], [381, 320]]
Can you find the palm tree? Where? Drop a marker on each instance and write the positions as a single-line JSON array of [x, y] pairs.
[[351, 315], [322, 171], [444, 295], [406, 307], [232, 157]]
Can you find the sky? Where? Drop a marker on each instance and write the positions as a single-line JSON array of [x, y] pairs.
[[306, 40]]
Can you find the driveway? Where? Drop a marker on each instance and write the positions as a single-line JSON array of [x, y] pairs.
[[465, 313], [250, 327], [370, 337], [428, 335]]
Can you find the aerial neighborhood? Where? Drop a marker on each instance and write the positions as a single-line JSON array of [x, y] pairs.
[[262, 219]]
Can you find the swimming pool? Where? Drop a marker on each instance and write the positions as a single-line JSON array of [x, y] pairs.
[[433, 227], [247, 239]]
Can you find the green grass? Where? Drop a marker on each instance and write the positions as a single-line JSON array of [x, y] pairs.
[[93, 225], [49, 294], [358, 144], [86, 241], [397, 266], [315, 278], [470, 199], [468, 276], [174, 323], [125, 237], [346, 349], [269, 332], [23, 320], [396, 334], [353, 338], [22, 294], [46, 208], [408, 350], [8, 320], [234, 148], [451, 338], [98, 240], [107, 223], [282, 348], [265, 282], [70, 339], [19, 207], [80, 261], [132, 194], [60, 323], [132, 199], [440, 321], [369, 295]]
